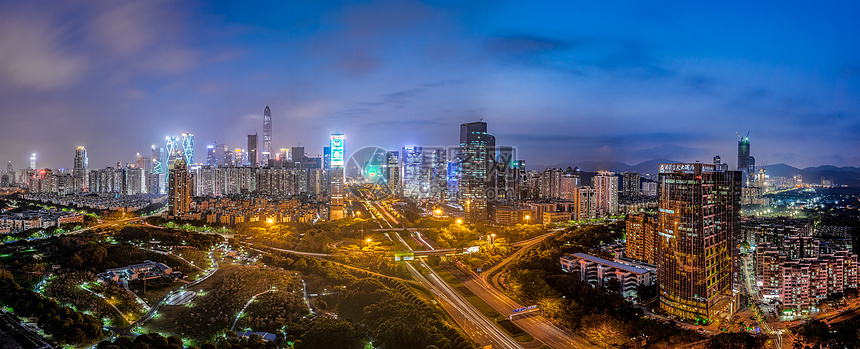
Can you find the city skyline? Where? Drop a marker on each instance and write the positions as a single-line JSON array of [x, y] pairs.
[[561, 82]]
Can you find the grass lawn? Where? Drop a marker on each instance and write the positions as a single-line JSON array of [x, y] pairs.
[[514, 331]]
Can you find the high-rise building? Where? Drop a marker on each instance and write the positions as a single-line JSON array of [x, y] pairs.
[[188, 148], [569, 181], [412, 160], [79, 171], [392, 172], [337, 194], [227, 155], [33, 161], [606, 185], [630, 184], [744, 157], [641, 234], [253, 160], [239, 157], [267, 135], [211, 156], [297, 155], [476, 153], [699, 209], [179, 188], [174, 151]]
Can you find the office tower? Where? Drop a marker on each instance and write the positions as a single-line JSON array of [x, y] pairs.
[[227, 156], [179, 186], [326, 158], [699, 208], [188, 148], [436, 165], [392, 172], [33, 161], [10, 172], [750, 179], [630, 185], [717, 160], [156, 179], [267, 135], [606, 185], [476, 149], [211, 157], [505, 173], [297, 155], [173, 149], [453, 177], [744, 157], [239, 158], [253, 160], [412, 160], [79, 171], [336, 205]]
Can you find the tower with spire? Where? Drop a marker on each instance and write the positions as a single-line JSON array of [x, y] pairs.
[[267, 133]]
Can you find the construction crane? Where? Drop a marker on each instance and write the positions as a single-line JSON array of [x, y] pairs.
[[742, 137]]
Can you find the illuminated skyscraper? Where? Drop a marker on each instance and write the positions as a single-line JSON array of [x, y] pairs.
[[476, 152], [211, 157], [79, 171], [179, 185], [33, 161], [336, 205], [227, 156], [188, 148], [412, 157], [267, 135], [156, 178], [392, 172], [173, 149], [253, 160], [698, 215]]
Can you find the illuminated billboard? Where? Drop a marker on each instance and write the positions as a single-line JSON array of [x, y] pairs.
[[337, 150]]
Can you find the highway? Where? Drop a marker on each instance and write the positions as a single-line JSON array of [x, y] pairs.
[[470, 319]]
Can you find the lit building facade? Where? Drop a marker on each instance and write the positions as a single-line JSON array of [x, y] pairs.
[[698, 216], [476, 151], [179, 186], [79, 171], [606, 184], [268, 153], [337, 192]]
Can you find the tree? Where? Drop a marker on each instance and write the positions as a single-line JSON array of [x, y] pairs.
[[814, 331], [326, 333], [739, 340]]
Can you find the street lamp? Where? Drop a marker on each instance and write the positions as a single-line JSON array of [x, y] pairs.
[[493, 240], [459, 221], [527, 217]]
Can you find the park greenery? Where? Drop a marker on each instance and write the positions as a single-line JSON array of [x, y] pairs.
[[386, 307], [60, 322]]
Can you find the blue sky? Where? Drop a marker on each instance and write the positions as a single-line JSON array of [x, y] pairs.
[[563, 81]]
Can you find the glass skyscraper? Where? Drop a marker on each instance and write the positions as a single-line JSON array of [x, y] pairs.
[[698, 215]]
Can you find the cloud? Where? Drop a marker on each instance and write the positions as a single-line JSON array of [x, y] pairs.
[[357, 63], [32, 53]]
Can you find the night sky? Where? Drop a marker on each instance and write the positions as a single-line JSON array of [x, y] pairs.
[[564, 81]]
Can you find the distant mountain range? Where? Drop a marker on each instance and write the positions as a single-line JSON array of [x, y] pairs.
[[848, 175]]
